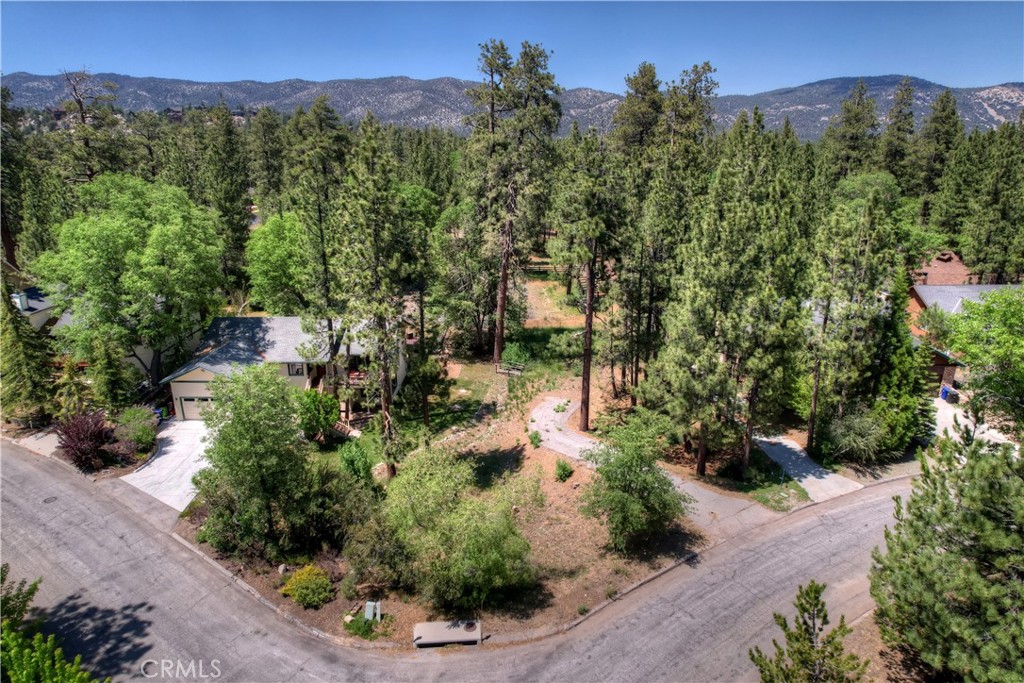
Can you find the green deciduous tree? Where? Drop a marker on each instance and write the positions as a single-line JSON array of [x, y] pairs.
[[139, 267], [989, 336], [951, 582], [25, 658], [258, 458], [810, 655], [632, 496], [277, 265], [462, 550]]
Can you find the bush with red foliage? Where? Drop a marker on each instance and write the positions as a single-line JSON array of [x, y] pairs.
[[82, 438]]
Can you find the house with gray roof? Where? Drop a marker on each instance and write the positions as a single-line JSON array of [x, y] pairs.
[[232, 343], [35, 305], [949, 299]]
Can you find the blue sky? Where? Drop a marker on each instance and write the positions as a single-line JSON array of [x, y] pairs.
[[754, 46]]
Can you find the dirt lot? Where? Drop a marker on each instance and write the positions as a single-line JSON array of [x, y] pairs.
[[576, 571]]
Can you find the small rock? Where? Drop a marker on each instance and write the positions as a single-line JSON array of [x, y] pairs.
[[380, 471], [348, 618], [576, 485], [280, 569]]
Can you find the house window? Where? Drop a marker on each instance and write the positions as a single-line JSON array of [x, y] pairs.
[[296, 370]]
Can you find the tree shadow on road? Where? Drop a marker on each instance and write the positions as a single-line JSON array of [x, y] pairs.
[[112, 642]]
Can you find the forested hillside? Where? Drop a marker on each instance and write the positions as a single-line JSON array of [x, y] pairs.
[[442, 102]]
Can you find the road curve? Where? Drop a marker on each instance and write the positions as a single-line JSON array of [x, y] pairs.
[[123, 593]]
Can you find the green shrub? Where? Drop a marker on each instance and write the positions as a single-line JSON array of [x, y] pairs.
[[317, 414], [361, 627], [859, 436], [535, 439], [460, 550], [562, 407], [563, 470], [515, 353], [309, 587], [582, 609], [632, 496], [137, 425]]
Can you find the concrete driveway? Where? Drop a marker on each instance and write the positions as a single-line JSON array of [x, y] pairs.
[[168, 474], [718, 514], [946, 412]]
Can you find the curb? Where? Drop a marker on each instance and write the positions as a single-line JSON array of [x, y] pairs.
[[315, 632], [50, 456]]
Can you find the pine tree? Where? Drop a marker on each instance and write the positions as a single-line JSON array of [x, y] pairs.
[[941, 133], [513, 142], [12, 169], [896, 144], [266, 149], [810, 655], [950, 584], [992, 231], [848, 145], [588, 211], [26, 380], [734, 329], [318, 146], [853, 264], [371, 267], [225, 179], [72, 396]]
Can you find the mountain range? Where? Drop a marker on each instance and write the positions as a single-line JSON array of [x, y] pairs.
[[442, 102]]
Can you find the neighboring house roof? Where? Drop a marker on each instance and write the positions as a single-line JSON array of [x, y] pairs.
[[37, 301], [247, 341], [950, 298], [945, 268]]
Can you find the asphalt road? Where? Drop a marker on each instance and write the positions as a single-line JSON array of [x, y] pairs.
[[122, 592]]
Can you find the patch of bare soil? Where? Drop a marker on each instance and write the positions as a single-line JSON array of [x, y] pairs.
[[576, 571], [544, 309], [885, 664], [872, 474]]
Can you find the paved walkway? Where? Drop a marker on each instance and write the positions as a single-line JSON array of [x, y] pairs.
[[718, 514], [41, 443], [819, 483], [168, 474]]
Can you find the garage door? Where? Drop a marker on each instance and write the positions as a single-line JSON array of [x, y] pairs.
[[190, 408]]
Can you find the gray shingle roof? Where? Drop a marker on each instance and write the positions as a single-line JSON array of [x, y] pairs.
[[247, 341], [950, 298], [37, 301]]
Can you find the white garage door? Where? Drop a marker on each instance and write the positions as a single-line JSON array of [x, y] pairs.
[[190, 408]]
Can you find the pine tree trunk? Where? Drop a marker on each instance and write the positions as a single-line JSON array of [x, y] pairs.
[[748, 437], [813, 418], [702, 451], [506, 256], [588, 332], [423, 358]]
